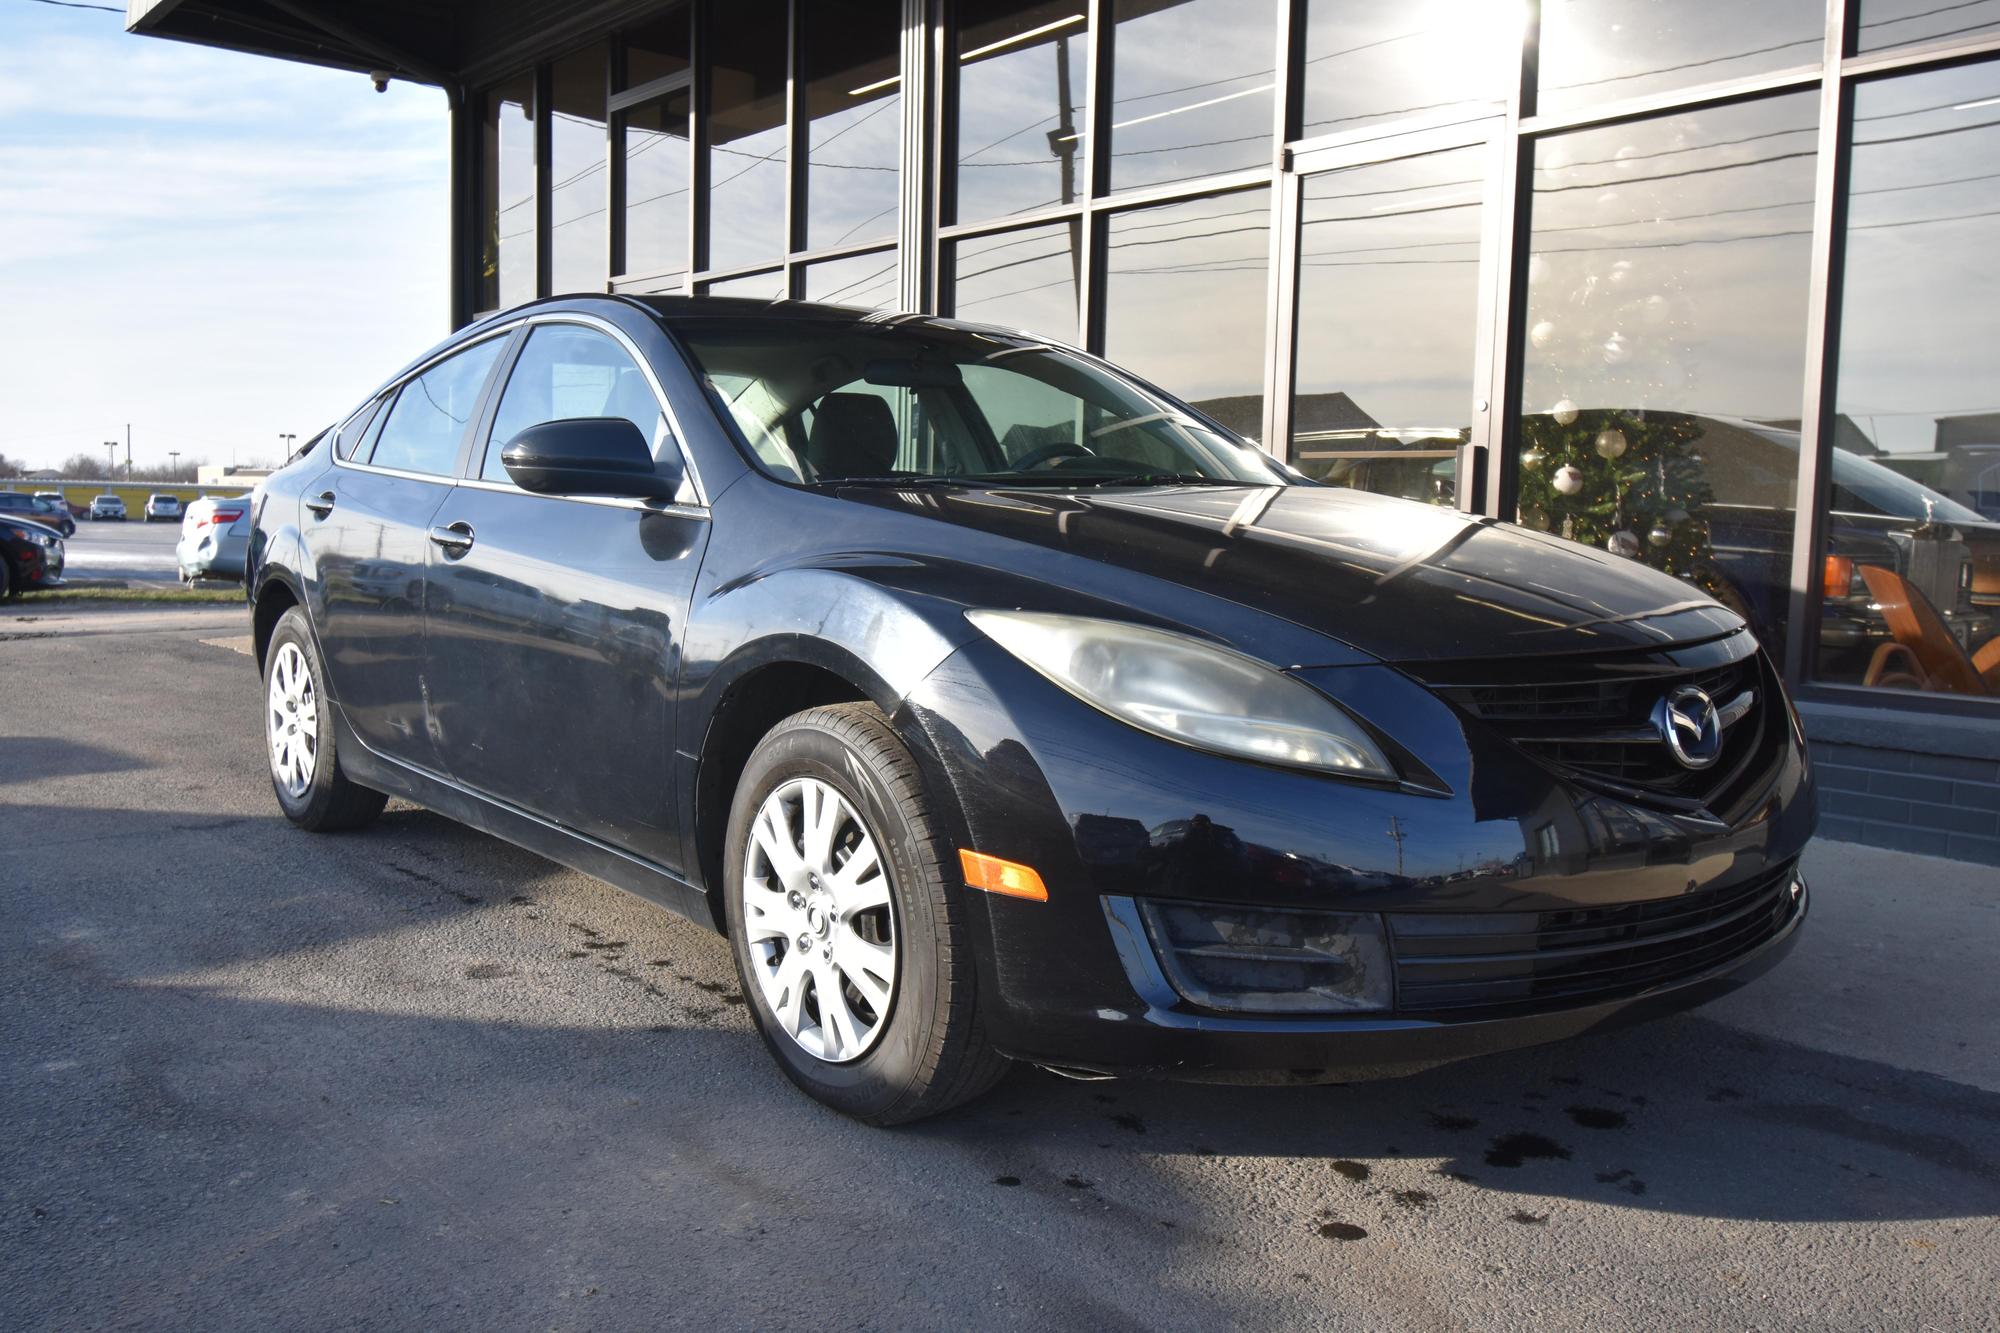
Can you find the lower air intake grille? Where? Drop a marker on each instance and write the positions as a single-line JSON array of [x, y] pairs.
[[1454, 961]]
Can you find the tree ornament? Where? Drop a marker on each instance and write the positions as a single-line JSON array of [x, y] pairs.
[[1564, 412], [1532, 458], [1617, 349], [1610, 442], [1542, 332], [1568, 480], [1623, 544], [1659, 536]]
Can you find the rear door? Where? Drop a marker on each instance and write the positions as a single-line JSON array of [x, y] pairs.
[[367, 528], [555, 623]]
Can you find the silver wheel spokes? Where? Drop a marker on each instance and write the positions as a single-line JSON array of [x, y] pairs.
[[818, 920], [291, 720]]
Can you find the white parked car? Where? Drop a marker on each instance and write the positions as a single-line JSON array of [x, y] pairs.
[[215, 535], [108, 507], [162, 507]]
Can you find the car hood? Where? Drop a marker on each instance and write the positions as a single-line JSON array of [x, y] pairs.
[[1397, 580]]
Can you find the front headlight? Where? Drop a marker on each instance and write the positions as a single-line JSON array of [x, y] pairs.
[[1188, 691], [41, 540]]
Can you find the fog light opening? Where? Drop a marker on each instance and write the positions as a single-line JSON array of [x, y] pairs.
[[1269, 960]]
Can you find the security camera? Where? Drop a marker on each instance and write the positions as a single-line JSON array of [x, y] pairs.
[[380, 78]]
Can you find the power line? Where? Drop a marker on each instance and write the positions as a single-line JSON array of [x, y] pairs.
[[73, 4]]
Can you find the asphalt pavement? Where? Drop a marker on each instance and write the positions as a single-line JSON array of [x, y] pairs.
[[133, 551], [412, 1077]]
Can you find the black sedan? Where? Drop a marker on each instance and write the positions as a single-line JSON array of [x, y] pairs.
[[31, 556], [998, 705]]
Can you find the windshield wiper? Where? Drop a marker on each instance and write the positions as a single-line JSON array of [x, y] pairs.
[[1158, 479]]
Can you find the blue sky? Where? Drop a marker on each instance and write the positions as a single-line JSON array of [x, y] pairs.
[[214, 247]]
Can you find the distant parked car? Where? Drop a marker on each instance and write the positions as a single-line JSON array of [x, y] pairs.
[[31, 556], [108, 507], [162, 507], [55, 498], [19, 504], [215, 535]]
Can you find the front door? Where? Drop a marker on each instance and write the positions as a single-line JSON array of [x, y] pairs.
[[366, 522], [1391, 245], [555, 623]]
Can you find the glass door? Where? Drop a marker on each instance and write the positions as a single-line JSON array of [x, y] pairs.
[[1390, 364]]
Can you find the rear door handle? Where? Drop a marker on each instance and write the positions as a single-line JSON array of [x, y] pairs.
[[321, 504], [455, 538]]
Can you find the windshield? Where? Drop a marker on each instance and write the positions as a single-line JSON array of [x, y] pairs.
[[839, 401]]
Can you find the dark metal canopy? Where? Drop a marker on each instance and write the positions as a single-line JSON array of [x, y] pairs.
[[449, 43]]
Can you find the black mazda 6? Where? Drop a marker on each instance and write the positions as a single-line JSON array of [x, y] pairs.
[[997, 705]]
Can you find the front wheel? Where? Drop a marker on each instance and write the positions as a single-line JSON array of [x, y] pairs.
[[848, 933], [298, 731]]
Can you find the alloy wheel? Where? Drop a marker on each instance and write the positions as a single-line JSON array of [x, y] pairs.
[[291, 720], [819, 920]]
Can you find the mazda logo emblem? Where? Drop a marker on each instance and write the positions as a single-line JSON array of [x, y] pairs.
[[1690, 725]]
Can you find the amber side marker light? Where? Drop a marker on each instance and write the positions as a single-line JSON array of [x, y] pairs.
[[1005, 877]]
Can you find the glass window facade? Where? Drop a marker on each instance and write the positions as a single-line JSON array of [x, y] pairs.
[[1636, 302], [579, 254], [1020, 67], [1668, 275], [851, 53], [1388, 312], [1184, 304], [1910, 573], [748, 155], [1027, 279]]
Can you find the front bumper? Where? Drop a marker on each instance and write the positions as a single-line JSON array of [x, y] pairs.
[[1108, 815]]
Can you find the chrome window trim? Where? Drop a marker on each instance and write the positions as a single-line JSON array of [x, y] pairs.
[[507, 330], [394, 390]]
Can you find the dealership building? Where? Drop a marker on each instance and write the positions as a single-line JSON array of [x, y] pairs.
[[1709, 286]]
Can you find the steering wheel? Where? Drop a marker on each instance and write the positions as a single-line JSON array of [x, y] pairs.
[[1048, 453]]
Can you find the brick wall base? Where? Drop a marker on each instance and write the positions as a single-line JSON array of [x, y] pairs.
[[1906, 781]]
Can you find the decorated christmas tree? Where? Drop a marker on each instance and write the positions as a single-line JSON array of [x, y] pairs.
[[1626, 479]]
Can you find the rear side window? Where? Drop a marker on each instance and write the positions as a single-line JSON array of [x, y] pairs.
[[355, 431], [427, 421], [566, 371]]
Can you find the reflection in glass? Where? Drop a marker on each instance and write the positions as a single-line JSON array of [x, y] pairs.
[[1663, 364], [1603, 50], [1021, 82], [1378, 60], [1911, 571], [656, 49], [1021, 279], [746, 133], [657, 161], [1887, 23], [1185, 301], [507, 184], [579, 260], [1388, 302], [869, 281], [759, 286], [1192, 86], [852, 101]]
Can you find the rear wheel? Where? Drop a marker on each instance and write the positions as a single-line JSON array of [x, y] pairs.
[[298, 730], [848, 936], [7, 589]]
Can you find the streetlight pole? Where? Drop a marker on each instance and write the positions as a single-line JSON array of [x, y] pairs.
[[111, 460], [174, 463], [287, 436]]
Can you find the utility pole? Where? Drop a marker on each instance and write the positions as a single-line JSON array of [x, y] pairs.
[[1396, 832], [128, 451]]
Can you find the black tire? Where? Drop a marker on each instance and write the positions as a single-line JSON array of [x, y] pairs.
[[330, 801], [8, 591], [932, 1053]]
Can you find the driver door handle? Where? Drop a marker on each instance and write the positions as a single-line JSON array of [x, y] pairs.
[[455, 538], [321, 504]]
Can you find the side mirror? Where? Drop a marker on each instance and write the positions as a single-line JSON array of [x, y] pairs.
[[590, 456]]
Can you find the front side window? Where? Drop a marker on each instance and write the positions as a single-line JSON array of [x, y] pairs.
[[567, 371], [427, 422], [825, 401]]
